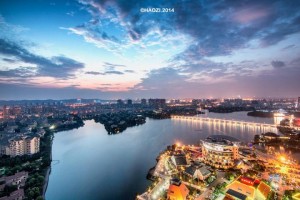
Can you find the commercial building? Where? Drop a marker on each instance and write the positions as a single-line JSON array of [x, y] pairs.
[[177, 190], [241, 190], [220, 151]]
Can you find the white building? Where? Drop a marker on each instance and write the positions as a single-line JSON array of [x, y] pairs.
[[220, 151]]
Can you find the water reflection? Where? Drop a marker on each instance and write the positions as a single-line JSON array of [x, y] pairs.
[[95, 165]]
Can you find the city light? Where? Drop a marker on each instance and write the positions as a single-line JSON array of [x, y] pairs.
[[186, 100], [178, 144], [283, 169], [282, 158]]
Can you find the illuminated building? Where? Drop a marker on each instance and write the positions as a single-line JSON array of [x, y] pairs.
[[240, 191], [179, 160], [263, 191], [249, 181], [177, 190], [197, 172], [279, 116], [296, 122], [220, 151], [246, 189]]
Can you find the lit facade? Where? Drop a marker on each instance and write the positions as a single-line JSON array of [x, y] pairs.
[[220, 151], [177, 190]]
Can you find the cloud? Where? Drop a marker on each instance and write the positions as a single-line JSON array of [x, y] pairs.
[[114, 72], [170, 83], [22, 72], [92, 34], [108, 72], [217, 28], [71, 13], [94, 73], [162, 79], [58, 66], [288, 47], [9, 60], [9, 30], [277, 64], [111, 66], [129, 71]]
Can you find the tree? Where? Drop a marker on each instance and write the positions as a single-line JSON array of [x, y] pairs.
[[39, 198]]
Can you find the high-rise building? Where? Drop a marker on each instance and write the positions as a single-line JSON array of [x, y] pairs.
[[144, 101], [120, 102], [5, 111], [157, 103], [129, 102], [298, 103], [21, 145]]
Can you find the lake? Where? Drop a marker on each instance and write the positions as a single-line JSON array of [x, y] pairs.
[[90, 164]]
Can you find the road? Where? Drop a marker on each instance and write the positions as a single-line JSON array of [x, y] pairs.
[[208, 191]]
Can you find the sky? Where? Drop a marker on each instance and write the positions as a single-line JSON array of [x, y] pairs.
[[110, 49]]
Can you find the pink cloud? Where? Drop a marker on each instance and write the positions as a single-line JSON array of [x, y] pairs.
[[247, 15]]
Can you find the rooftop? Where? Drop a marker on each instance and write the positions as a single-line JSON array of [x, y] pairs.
[[221, 139]]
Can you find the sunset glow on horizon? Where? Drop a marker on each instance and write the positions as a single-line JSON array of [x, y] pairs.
[[110, 49]]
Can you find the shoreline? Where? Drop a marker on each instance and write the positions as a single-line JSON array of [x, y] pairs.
[[46, 181], [48, 169]]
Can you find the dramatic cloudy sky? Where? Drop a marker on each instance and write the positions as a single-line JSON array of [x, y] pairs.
[[110, 49]]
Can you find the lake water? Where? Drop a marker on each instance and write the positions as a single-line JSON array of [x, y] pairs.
[[90, 164]]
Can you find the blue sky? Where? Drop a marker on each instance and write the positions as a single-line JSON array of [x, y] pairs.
[[109, 49]]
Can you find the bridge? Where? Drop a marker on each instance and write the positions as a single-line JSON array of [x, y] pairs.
[[261, 126]]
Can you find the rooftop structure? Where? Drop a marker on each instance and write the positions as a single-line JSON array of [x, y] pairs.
[[240, 191], [246, 191], [177, 190], [197, 172], [220, 151], [179, 160]]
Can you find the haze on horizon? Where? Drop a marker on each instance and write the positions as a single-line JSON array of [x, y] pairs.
[[109, 49]]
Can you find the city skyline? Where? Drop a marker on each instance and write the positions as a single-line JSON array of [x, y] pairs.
[[111, 50]]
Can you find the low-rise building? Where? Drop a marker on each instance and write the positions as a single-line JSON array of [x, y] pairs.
[[197, 172], [15, 195], [177, 190], [179, 160], [247, 189], [240, 191], [18, 179]]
